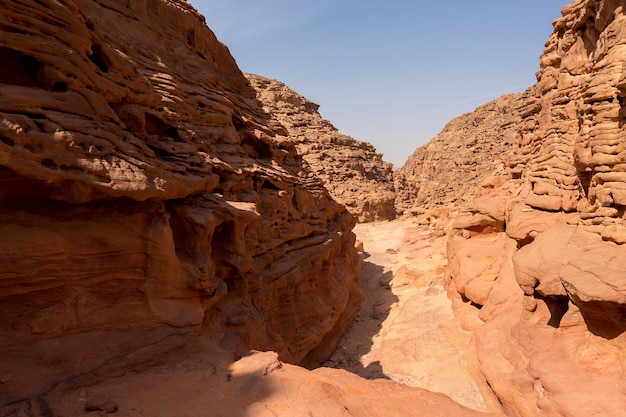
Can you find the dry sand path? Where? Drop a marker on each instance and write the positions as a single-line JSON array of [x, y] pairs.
[[404, 330]]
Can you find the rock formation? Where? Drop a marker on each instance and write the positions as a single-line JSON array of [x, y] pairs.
[[351, 170], [146, 195], [469, 152], [257, 385], [157, 220], [536, 266]]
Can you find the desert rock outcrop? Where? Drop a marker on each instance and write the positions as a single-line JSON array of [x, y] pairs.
[[146, 195], [536, 265], [351, 170], [469, 152]]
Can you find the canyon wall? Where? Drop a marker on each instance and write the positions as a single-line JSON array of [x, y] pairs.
[[146, 195], [469, 154], [536, 266], [352, 171]]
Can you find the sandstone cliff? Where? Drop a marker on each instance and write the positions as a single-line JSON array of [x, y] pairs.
[[536, 266], [469, 152], [351, 170], [146, 195]]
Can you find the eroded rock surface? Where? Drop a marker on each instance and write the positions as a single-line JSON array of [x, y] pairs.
[[145, 195], [351, 170], [469, 152], [259, 384], [536, 264]]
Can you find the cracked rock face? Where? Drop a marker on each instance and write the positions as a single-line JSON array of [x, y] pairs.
[[145, 194], [351, 170]]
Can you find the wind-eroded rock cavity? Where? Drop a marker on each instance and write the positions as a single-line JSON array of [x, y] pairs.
[[145, 193]]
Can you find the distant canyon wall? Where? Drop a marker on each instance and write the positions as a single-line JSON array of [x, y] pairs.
[[469, 153], [536, 265], [145, 194], [352, 171]]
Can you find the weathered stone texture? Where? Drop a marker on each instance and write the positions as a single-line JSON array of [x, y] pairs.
[[553, 343], [469, 152], [351, 170], [142, 187]]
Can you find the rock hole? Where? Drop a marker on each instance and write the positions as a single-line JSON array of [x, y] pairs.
[[603, 318], [59, 87], [97, 57], [156, 126], [472, 303], [90, 25], [222, 248], [49, 163], [267, 185], [558, 306], [7, 141], [18, 68], [35, 116], [523, 242], [238, 122], [257, 148]]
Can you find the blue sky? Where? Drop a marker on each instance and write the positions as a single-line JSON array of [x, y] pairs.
[[390, 73]]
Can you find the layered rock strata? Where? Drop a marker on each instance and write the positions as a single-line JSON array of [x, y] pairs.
[[146, 194], [351, 170], [469, 152], [536, 266]]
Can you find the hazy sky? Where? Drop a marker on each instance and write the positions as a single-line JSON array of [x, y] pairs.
[[391, 73]]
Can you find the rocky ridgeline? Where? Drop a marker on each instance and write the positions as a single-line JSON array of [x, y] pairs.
[[536, 266], [352, 171], [469, 154]]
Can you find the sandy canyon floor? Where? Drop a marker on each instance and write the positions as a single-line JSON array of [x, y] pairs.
[[404, 333], [405, 330]]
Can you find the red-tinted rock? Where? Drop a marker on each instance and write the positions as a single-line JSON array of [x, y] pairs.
[[550, 331], [145, 194], [448, 171]]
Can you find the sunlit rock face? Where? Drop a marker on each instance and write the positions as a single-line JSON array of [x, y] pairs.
[[469, 153], [351, 170], [145, 193], [536, 265]]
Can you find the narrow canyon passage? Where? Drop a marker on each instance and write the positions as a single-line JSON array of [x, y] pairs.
[[404, 330]]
